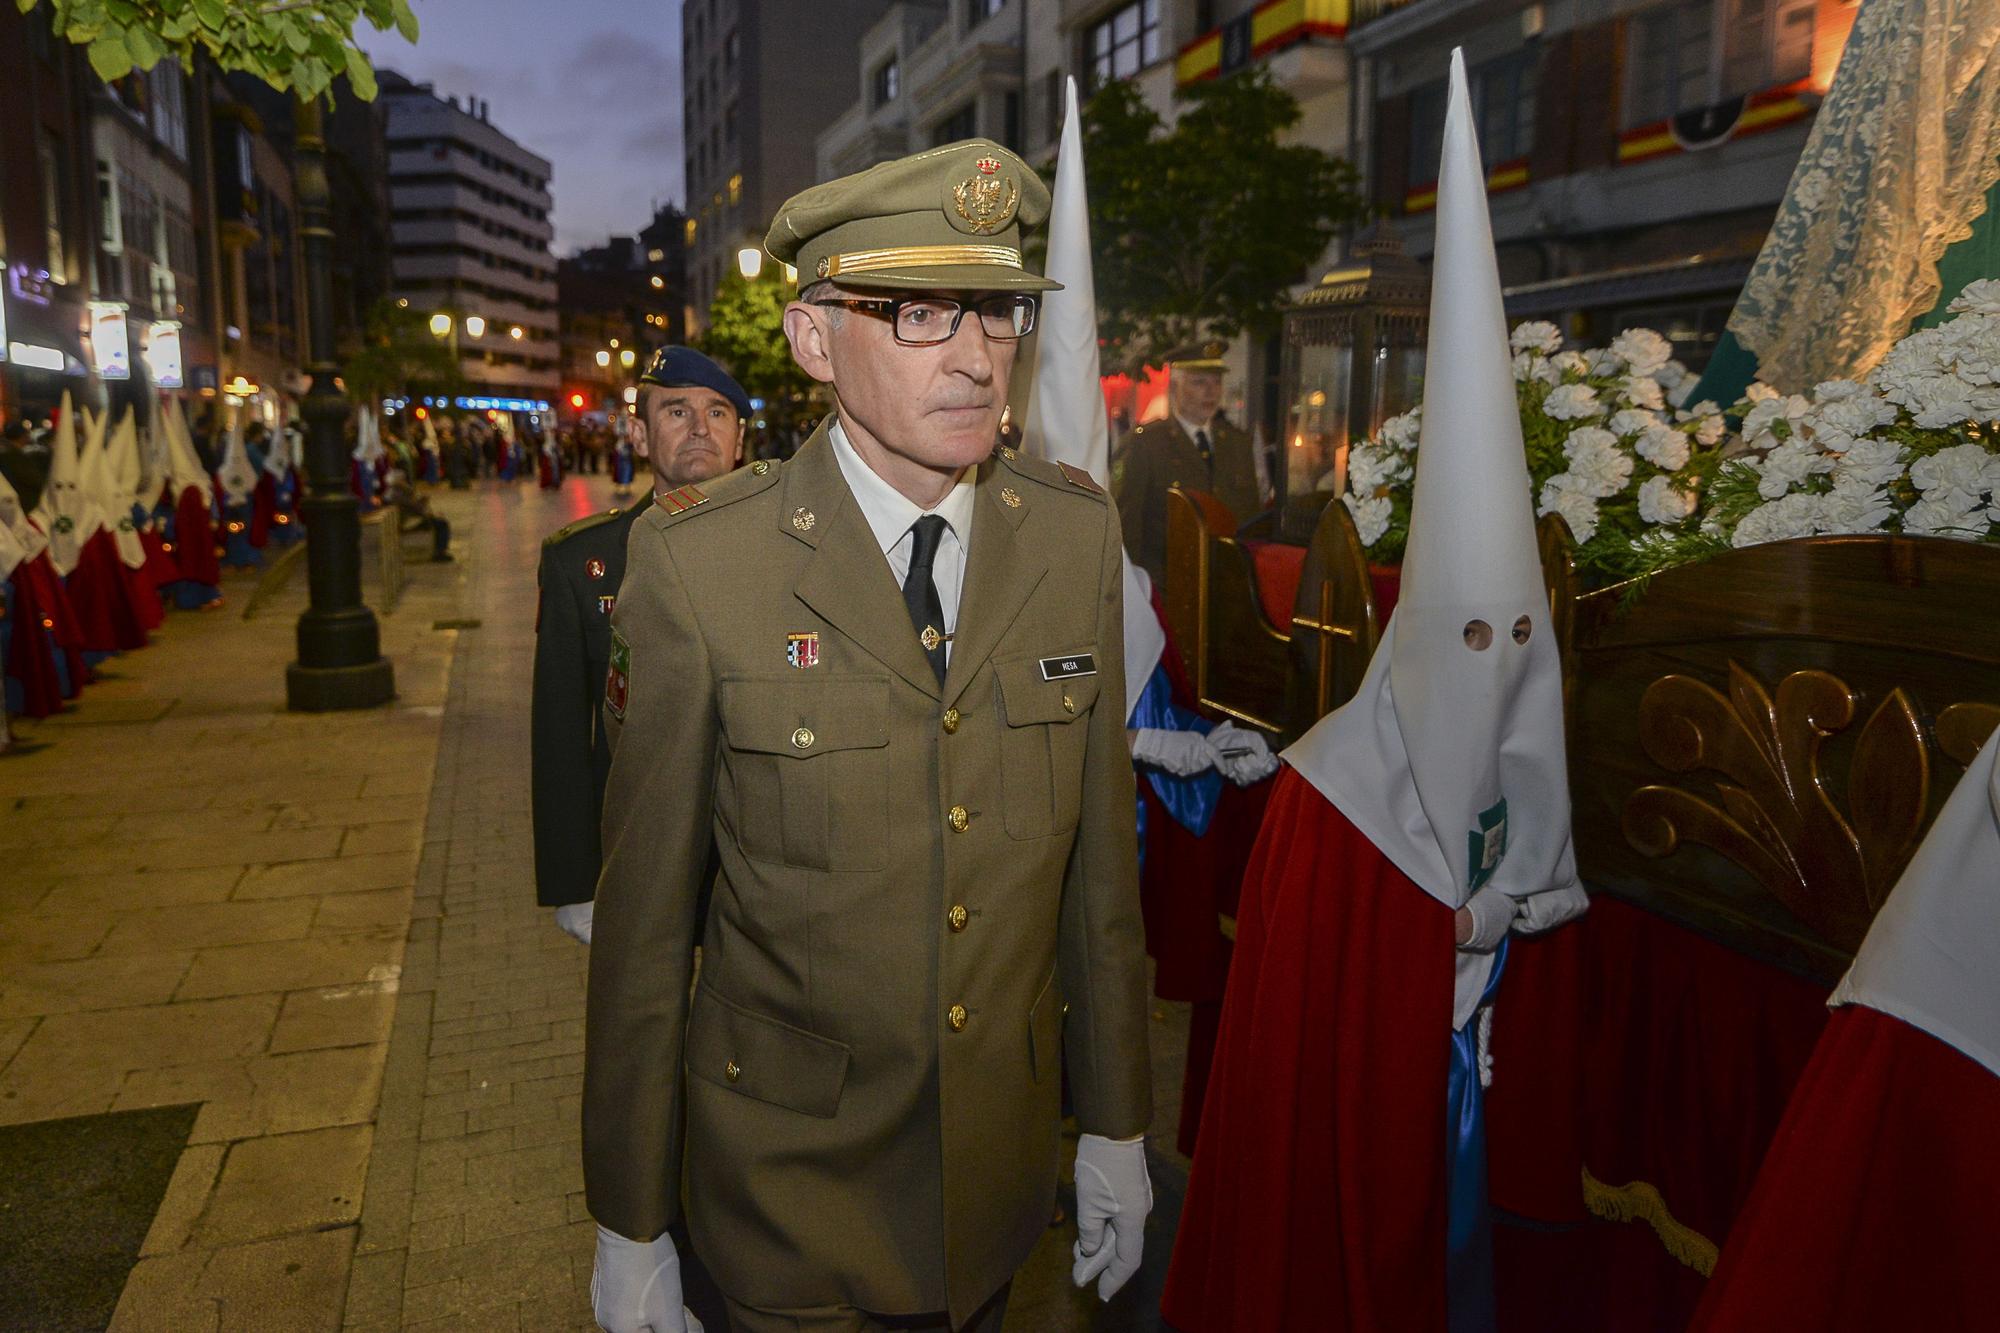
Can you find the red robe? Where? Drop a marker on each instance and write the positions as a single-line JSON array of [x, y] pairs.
[[194, 540], [1874, 1207], [1318, 1196], [263, 509], [113, 615]]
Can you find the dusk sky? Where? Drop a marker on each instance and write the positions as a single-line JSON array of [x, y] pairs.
[[592, 85]]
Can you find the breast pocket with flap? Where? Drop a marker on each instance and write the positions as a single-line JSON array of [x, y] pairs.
[[1044, 735], [807, 761]]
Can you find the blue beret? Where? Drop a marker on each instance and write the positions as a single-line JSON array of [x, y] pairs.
[[683, 367]]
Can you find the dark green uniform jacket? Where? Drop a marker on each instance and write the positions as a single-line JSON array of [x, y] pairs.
[[582, 567], [928, 896], [1159, 455]]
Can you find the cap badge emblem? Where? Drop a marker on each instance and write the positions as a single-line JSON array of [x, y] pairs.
[[930, 638], [986, 203], [594, 568], [1010, 497], [988, 165], [802, 650], [802, 519], [825, 266]]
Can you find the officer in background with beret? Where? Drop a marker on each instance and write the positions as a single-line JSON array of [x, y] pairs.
[[884, 680], [689, 427], [1195, 447]]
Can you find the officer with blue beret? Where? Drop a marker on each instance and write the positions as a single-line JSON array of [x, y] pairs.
[[689, 428]]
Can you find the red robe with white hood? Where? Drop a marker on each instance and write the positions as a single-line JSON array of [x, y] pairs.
[[1320, 1192]]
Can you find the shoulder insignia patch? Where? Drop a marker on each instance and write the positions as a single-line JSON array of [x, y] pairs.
[[682, 500], [1078, 477], [564, 533]]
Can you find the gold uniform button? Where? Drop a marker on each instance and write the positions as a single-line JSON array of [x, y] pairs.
[[959, 818], [1069, 704], [760, 467], [950, 721], [803, 738], [732, 1071], [956, 1017], [956, 917]]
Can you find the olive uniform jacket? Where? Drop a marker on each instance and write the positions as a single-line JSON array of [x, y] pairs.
[[1159, 455], [582, 566], [928, 896]]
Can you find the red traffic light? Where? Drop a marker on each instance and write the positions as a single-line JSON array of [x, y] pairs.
[[576, 401]]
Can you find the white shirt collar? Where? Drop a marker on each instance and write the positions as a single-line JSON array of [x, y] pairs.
[[1191, 428], [889, 512]]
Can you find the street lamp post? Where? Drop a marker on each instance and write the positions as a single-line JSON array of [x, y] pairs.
[[340, 661]]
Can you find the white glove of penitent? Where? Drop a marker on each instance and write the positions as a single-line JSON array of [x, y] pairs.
[[1113, 1196], [635, 1286], [575, 919], [1181, 753], [1243, 756]]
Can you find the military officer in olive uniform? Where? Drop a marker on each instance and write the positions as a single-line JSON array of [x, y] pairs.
[[689, 427], [885, 680], [1195, 447]]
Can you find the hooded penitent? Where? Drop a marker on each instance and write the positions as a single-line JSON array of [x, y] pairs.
[[65, 512], [184, 469], [237, 475], [1450, 756], [118, 481]]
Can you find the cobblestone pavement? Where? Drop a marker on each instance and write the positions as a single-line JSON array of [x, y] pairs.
[[324, 930]]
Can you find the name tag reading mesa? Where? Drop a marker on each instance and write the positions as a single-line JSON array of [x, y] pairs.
[[1064, 668]]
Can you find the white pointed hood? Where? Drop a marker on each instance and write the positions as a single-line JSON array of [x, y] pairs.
[[1066, 420], [1450, 757], [118, 474], [154, 462], [367, 437], [65, 512], [184, 467], [1932, 957], [430, 436], [237, 476], [13, 517]]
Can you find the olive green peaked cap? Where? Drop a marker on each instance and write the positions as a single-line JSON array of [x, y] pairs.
[[945, 220]]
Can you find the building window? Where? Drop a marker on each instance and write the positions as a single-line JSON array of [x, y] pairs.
[[169, 108], [960, 124], [1052, 103], [978, 11], [1122, 44], [1503, 99], [1697, 53], [110, 218], [1426, 131], [888, 81], [1010, 128]]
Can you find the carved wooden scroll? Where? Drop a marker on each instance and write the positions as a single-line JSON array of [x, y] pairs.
[[1771, 811]]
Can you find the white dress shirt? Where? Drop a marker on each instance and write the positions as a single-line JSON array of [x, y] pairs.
[[891, 514]]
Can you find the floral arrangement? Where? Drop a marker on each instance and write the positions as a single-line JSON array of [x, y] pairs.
[[1609, 448], [1909, 449], [1646, 483]]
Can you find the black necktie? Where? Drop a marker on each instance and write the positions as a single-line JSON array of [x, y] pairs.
[[920, 594], [1202, 447]]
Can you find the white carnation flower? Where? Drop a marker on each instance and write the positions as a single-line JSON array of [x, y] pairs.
[[1643, 350], [1570, 363], [1781, 520], [1371, 515], [1941, 403], [1664, 447], [1537, 335], [1840, 421], [1571, 402], [1673, 375], [1942, 514], [1400, 432], [1645, 391], [1788, 465], [1709, 423], [1758, 392], [1761, 422], [1833, 391], [1978, 298], [1854, 506], [1660, 501], [1560, 496], [1370, 467], [1596, 463], [1964, 470], [1535, 366], [1632, 421], [1869, 462], [1602, 363]]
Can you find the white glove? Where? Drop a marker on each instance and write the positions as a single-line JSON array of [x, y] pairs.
[[1482, 923], [1243, 756], [635, 1286], [1550, 908], [575, 918], [1113, 1196], [1181, 753]]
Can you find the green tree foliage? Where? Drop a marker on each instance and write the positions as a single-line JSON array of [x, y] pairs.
[[1200, 228], [296, 45], [398, 350], [746, 333]]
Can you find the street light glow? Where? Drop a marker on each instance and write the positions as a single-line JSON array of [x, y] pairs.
[[658, 281], [440, 324], [475, 326], [627, 357], [603, 357], [750, 262], [517, 333]]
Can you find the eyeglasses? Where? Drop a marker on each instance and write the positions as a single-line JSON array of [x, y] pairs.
[[922, 320]]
